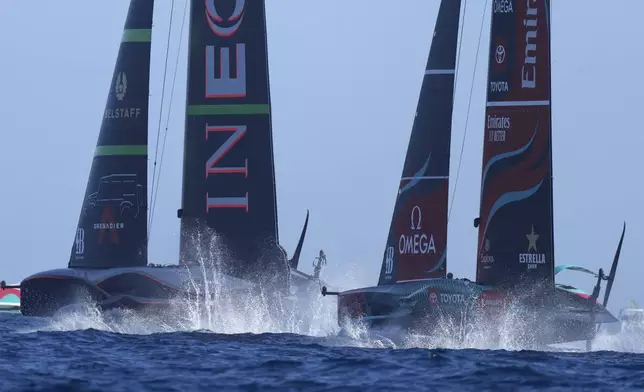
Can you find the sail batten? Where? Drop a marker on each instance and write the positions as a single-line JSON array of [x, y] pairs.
[[518, 103], [137, 35], [141, 149], [221, 110], [416, 244], [440, 72]]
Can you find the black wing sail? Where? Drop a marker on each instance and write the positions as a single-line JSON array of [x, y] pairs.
[[416, 245], [112, 229], [515, 242], [229, 175]]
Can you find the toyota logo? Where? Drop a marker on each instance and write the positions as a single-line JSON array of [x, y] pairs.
[[433, 297], [499, 55]]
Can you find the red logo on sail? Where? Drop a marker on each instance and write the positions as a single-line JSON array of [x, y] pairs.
[[108, 223]]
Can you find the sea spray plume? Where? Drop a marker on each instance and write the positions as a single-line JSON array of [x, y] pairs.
[[513, 326], [253, 309], [213, 306], [520, 324]]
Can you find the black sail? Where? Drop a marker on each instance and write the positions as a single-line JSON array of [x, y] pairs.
[[416, 245], [112, 229], [515, 242], [228, 174]]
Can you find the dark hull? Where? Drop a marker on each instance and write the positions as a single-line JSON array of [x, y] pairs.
[[137, 288], [422, 307]]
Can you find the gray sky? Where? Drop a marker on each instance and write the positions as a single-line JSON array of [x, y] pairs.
[[345, 80]]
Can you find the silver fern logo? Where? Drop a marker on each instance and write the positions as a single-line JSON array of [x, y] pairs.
[[121, 86]]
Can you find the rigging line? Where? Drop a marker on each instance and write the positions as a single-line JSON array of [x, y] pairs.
[[156, 151], [460, 46], [458, 61], [552, 168], [467, 116], [165, 133], [458, 54]]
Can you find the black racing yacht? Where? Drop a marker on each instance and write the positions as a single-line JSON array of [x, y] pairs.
[[228, 190]]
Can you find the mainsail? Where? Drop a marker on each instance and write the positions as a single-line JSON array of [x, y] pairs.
[[229, 175], [112, 228], [416, 245], [515, 242]]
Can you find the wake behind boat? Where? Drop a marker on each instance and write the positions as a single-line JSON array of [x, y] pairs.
[[632, 318], [631, 322], [515, 262], [229, 208]]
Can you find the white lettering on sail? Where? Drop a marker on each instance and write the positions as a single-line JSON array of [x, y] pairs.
[[496, 122], [416, 243], [124, 113], [497, 127], [225, 86], [109, 226], [503, 6], [227, 83], [238, 133], [214, 20], [532, 259], [529, 68], [500, 87], [487, 259]]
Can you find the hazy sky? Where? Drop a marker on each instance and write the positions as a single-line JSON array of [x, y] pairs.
[[345, 81]]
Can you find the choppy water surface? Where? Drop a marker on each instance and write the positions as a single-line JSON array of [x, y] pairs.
[[252, 350]]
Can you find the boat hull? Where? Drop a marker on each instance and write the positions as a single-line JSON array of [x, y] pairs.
[[45, 293], [422, 306]]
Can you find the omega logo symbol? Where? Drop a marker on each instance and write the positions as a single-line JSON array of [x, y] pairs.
[[416, 218], [416, 243]]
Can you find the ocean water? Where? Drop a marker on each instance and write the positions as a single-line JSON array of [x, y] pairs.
[[85, 350]]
